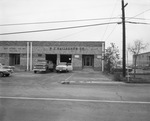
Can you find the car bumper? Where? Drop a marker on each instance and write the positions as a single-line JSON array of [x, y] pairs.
[[39, 70], [61, 69]]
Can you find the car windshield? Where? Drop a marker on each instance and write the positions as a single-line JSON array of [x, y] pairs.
[[62, 64]]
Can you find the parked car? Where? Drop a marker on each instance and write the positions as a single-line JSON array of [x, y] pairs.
[[5, 71], [43, 66], [7, 67], [64, 67]]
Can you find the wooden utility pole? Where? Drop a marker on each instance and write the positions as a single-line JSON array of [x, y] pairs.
[[124, 39]]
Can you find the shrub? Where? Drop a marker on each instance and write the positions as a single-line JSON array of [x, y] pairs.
[[118, 76]]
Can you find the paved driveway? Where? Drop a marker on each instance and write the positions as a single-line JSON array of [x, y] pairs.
[[29, 78]]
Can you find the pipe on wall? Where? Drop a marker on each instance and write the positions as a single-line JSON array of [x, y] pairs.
[[27, 56], [103, 54], [30, 56]]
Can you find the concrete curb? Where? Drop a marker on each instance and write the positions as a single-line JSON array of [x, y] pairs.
[[91, 82]]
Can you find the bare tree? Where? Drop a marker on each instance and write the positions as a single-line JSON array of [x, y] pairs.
[[136, 49]]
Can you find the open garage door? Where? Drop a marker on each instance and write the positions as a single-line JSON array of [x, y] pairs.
[[51, 57], [66, 58]]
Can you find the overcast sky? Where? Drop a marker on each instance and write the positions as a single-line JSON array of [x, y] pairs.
[[30, 11]]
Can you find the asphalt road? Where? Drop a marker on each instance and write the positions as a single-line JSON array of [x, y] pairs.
[[42, 97]]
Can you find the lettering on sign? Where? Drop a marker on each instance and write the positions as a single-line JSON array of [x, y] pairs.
[[13, 49], [66, 48]]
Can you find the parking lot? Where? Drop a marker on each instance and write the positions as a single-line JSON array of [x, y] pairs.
[[30, 78]]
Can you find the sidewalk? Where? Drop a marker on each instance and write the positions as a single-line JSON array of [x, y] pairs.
[[92, 77], [92, 82]]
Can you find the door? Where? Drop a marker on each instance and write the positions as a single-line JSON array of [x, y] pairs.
[[14, 59], [88, 60]]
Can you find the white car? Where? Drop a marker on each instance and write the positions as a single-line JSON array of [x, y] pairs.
[[6, 66], [64, 67]]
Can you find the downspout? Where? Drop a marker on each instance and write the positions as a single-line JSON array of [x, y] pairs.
[[27, 56], [103, 51], [30, 56]]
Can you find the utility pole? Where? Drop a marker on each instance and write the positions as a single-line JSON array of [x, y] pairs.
[[124, 39]]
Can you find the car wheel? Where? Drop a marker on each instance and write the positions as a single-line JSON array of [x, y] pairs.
[[35, 72], [1, 74]]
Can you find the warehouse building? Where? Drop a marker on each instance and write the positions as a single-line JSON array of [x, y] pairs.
[[143, 59], [81, 54]]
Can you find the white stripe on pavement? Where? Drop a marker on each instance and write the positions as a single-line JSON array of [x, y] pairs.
[[69, 77], [75, 100]]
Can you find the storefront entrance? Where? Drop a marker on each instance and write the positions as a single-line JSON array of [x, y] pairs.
[[14, 59], [88, 60], [51, 57]]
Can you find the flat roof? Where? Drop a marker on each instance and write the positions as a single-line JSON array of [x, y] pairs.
[[144, 53], [53, 43]]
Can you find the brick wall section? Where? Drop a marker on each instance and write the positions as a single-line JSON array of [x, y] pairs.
[[4, 59], [77, 62], [97, 64], [13, 43]]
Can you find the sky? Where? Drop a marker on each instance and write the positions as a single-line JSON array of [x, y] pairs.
[[62, 13]]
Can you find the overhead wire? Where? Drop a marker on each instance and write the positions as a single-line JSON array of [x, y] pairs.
[[132, 22], [109, 19], [138, 18], [54, 29], [111, 31], [138, 14], [72, 34], [63, 21], [72, 27]]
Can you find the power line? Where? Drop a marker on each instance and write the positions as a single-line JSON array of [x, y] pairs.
[[131, 22], [71, 34], [110, 19], [71, 27], [137, 18], [111, 32], [139, 14], [65, 21]]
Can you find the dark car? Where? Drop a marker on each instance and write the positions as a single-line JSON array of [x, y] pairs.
[[4, 72]]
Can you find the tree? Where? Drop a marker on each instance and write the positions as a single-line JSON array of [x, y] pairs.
[[111, 57], [136, 49]]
